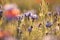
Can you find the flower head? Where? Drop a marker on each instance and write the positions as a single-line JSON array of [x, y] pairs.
[[27, 14], [48, 24], [34, 16], [20, 17]]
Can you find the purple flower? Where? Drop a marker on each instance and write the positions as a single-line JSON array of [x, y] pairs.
[[20, 17], [34, 16], [48, 24], [27, 14], [30, 28]]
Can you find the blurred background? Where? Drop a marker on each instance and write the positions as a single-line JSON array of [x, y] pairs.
[[30, 28]]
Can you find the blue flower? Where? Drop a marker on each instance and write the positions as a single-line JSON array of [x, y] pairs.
[[48, 24], [34, 16], [27, 14], [20, 17], [30, 29]]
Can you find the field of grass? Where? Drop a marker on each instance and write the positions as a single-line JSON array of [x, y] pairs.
[[36, 34]]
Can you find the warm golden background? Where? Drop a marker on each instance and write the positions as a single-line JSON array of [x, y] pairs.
[[28, 5]]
